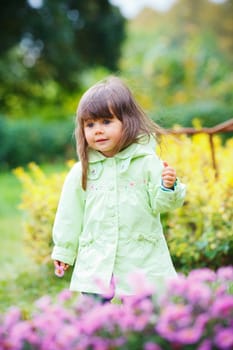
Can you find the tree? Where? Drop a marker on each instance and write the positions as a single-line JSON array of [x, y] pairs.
[[59, 38], [193, 17]]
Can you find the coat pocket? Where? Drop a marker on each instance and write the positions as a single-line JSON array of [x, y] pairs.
[[147, 238], [85, 240], [142, 237]]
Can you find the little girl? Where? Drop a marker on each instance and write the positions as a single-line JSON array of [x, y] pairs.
[[108, 217]]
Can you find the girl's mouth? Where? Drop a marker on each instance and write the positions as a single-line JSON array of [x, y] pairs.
[[101, 140]]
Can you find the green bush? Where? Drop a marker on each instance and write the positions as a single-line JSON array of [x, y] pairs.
[[209, 113], [40, 197], [200, 233], [34, 141]]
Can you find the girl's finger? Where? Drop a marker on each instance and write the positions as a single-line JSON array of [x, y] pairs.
[[64, 266], [56, 263]]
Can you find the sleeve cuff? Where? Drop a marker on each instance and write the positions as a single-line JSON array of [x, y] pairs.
[[166, 189], [64, 255]]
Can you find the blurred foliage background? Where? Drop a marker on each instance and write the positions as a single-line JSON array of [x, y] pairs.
[[178, 63]]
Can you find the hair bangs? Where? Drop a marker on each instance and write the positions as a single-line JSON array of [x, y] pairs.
[[94, 106]]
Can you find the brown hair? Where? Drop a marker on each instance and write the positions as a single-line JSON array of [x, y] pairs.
[[108, 98]]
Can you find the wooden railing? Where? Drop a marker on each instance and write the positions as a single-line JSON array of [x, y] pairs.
[[224, 127]]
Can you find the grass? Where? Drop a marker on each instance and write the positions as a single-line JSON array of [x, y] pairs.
[[11, 248], [21, 280], [30, 285]]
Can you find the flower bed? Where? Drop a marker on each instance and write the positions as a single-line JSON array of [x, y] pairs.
[[195, 312]]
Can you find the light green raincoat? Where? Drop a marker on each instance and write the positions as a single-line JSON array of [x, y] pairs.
[[114, 229]]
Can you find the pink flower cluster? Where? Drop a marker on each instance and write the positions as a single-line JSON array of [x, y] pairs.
[[59, 271], [195, 312]]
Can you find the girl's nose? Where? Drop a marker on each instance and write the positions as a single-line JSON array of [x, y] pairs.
[[98, 129]]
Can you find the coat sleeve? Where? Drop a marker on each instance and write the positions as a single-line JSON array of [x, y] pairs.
[[69, 218], [162, 201]]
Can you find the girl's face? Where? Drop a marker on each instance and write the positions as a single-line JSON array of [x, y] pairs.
[[103, 134]]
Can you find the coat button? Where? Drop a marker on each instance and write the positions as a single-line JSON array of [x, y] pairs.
[[112, 214], [111, 186]]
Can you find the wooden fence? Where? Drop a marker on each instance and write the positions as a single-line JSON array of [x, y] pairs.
[[224, 127]]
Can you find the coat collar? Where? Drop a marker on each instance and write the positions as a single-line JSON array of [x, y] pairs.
[[144, 146]]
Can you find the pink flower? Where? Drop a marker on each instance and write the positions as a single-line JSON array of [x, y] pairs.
[[202, 275], [143, 314], [21, 331], [65, 295], [223, 307], [178, 285], [224, 338], [205, 345], [188, 335], [140, 285], [201, 321], [84, 304], [172, 319], [44, 302], [151, 346], [59, 271], [66, 336], [225, 273], [220, 290], [126, 317], [107, 291], [101, 316], [199, 294], [12, 317], [177, 324]]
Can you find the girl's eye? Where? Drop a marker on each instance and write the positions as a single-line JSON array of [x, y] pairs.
[[89, 125], [106, 121]]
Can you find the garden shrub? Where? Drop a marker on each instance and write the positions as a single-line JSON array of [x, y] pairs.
[[39, 202], [26, 141], [198, 234], [195, 312], [209, 112]]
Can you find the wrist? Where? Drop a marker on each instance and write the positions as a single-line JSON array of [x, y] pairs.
[[166, 188]]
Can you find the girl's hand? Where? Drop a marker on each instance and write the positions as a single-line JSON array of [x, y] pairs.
[[168, 176], [60, 268]]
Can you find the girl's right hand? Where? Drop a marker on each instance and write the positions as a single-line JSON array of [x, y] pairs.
[[58, 263], [60, 268]]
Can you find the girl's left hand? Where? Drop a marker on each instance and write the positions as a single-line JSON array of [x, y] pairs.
[[168, 176]]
